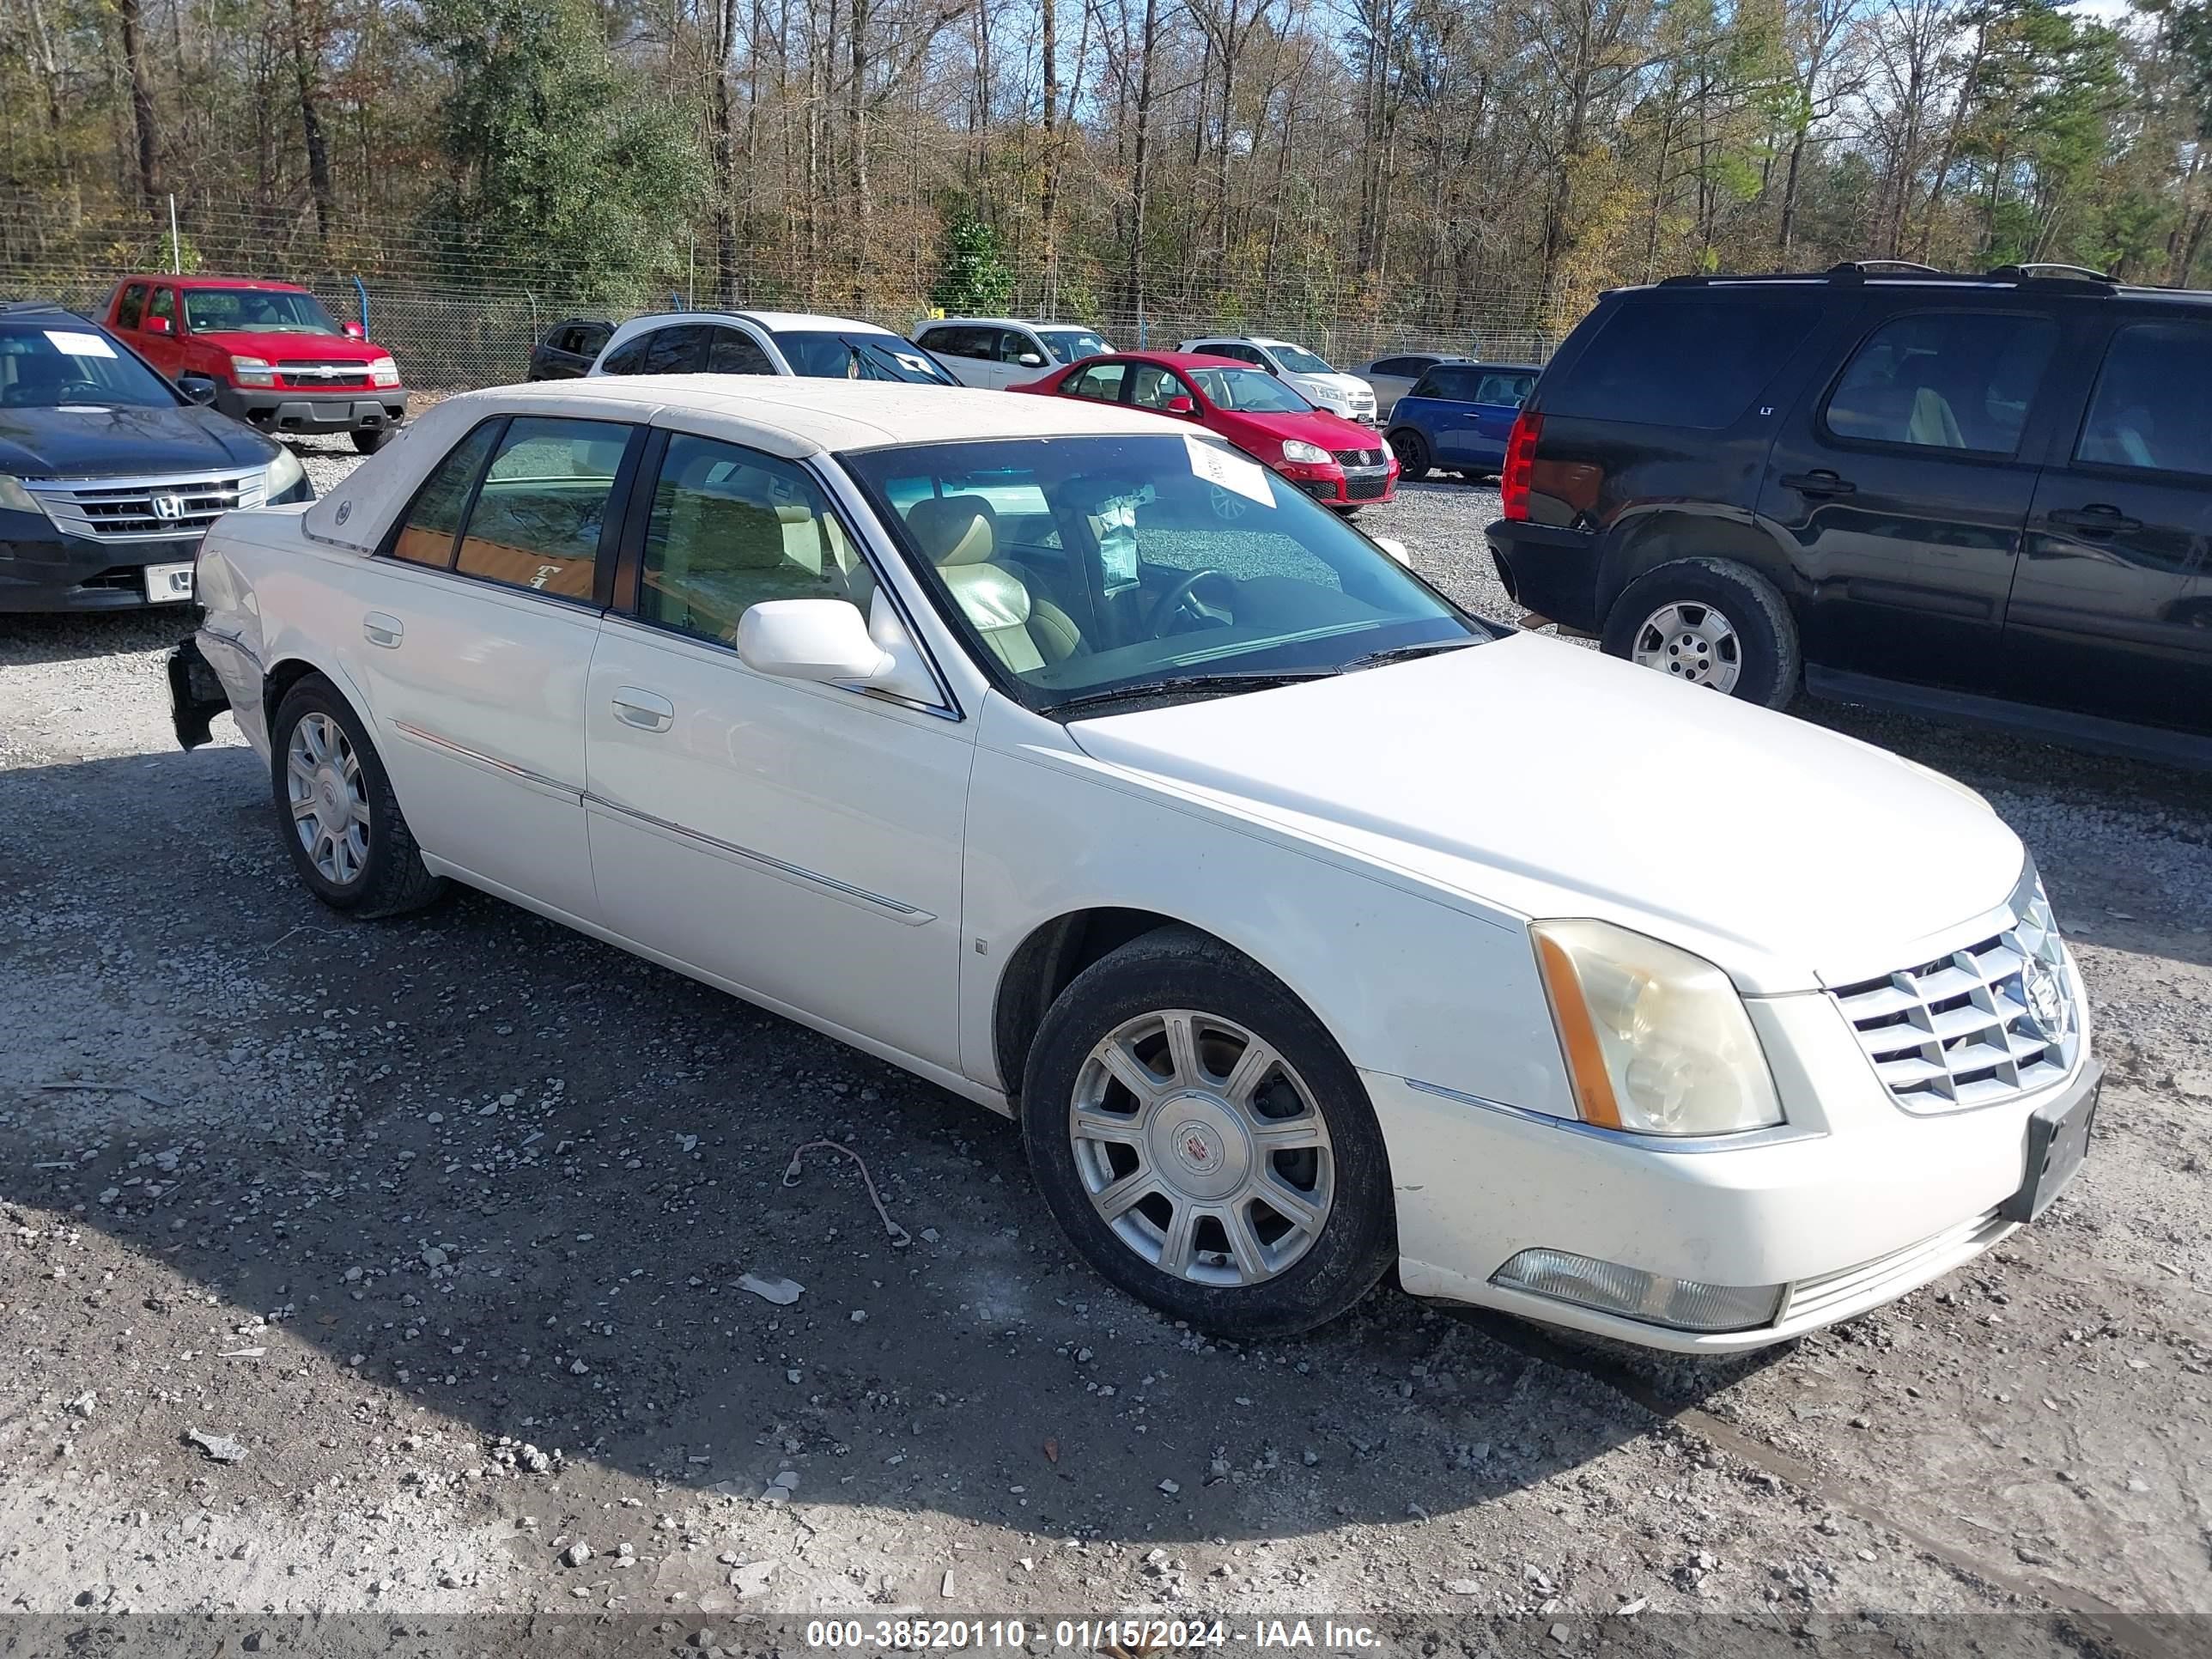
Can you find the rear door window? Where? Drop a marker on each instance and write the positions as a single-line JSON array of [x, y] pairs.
[[1457, 384], [133, 307], [164, 305], [1959, 380], [733, 351], [1102, 382], [1668, 360], [629, 357], [538, 518], [2152, 409], [679, 350]]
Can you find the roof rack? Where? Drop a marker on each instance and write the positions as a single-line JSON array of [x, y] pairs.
[[1860, 270], [1862, 267], [2046, 269]]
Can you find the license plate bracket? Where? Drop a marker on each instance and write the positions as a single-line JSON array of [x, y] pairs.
[[168, 584], [2058, 1142]]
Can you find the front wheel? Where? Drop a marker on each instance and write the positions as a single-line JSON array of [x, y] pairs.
[[1412, 450], [1711, 622], [336, 811], [370, 439], [1205, 1144]]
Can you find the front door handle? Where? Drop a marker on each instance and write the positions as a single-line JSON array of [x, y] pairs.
[[2096, 520], [643, 709], [380, 629], [1817, 483]]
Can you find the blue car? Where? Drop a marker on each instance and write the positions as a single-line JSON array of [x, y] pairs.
[[1457, 418]]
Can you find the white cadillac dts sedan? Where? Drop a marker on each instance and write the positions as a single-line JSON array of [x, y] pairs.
[[1308, 926]]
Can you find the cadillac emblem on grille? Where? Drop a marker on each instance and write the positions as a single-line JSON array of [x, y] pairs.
[[2045, 995]]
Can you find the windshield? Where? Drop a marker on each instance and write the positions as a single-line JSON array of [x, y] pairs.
[[1072, 346], [74, 366], [1254, 391], [1097, 570], [256, 311], [861, 355], [1297, 359]]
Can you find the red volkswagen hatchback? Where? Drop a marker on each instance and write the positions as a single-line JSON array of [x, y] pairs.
[[1329, 458]]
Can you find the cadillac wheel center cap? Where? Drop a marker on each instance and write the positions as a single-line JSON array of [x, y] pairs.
[[1198, 1147], [2045, 993]]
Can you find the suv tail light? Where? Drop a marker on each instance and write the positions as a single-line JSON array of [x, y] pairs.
[[1520, 462]]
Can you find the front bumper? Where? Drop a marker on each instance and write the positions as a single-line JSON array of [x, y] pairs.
[[1850, 1204], [1340, 486], [1550, 570], [42, 570], [283, 409]]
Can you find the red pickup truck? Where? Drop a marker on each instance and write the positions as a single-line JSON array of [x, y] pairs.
[[278, 360]]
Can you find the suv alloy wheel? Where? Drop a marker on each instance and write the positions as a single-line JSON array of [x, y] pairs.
[[1712, 622]]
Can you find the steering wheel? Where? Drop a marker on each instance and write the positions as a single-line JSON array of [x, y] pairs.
[[1182, 600]]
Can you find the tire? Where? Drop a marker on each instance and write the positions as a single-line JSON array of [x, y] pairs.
[[1412, 450], [1709, 621], [369, 439], [1283, 1272], [376, 872]]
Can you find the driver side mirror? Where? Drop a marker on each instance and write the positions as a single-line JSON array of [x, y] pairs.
[[354, 331], [157, 325], [1030, 360], [823, 642], [1183, 405], [199, 388]]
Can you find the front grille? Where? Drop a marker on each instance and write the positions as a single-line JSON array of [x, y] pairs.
[[316, 376], [1321, 489], [1891, 1275], [1358, 457], [1977, 1025], [147, 509], [1365, 489], [123, 579]]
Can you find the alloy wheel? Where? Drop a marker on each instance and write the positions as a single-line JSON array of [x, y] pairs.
[[1202, 1148], [1691, 642], [329, 809]]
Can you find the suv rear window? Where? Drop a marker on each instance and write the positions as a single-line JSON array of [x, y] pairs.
[[1687, 360]]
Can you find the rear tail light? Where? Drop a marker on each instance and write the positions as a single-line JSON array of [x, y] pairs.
[[1520, 462]]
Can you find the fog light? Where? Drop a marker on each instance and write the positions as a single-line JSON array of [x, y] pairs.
[[1686, 1304]]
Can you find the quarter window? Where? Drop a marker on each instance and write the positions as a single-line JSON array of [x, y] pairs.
[[1944, 380], [733, 351], [426, 535], [1102, 382], [2152, 406], [629, 357], [731, 527], [680, 351], [1668, 360], [538, 518]]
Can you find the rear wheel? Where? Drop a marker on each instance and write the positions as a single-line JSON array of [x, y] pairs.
[[1204, 1143], [1412, 452], [336, 811], [1711, 622]]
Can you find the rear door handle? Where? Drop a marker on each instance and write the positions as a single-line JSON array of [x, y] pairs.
[[643, 709], [1819, 483], [2097, 519], [380, 629]]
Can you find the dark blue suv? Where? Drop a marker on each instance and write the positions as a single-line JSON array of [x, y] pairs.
[[1458, 418]]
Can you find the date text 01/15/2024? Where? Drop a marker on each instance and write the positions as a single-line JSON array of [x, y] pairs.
[[1136, 1635]]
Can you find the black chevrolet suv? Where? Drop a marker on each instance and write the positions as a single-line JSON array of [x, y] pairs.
[[1985, 498]]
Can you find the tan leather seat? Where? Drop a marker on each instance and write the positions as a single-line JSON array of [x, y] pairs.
[[958, 534]]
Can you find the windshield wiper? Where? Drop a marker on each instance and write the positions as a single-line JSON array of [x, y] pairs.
[[1179, 683], [1407, 653]]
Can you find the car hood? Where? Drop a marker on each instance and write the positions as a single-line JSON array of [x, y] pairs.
[[293, 348], [1551, 780], [1318, 426], [1350, 385], [115, 443]]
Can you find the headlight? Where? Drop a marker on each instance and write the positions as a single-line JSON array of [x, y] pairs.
[[16, 499], [383, 372], [1656, 1040], [253, 371], [1305, 453], [284, 471]]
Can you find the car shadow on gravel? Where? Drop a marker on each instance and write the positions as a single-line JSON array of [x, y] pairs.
[[473, 1162], [75, 635]]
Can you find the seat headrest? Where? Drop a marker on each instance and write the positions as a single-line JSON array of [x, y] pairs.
[[954, 528]]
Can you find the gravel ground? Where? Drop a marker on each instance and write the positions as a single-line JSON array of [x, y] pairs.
[[446, 1223]]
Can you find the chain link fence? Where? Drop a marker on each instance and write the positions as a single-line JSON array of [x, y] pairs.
[[454, 324]]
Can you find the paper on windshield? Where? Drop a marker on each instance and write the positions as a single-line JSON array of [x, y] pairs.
[[1217, 466], [77, 344]]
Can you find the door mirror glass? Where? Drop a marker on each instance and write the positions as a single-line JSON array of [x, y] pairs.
[[823, 641], [200, 388], [354, 331]]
